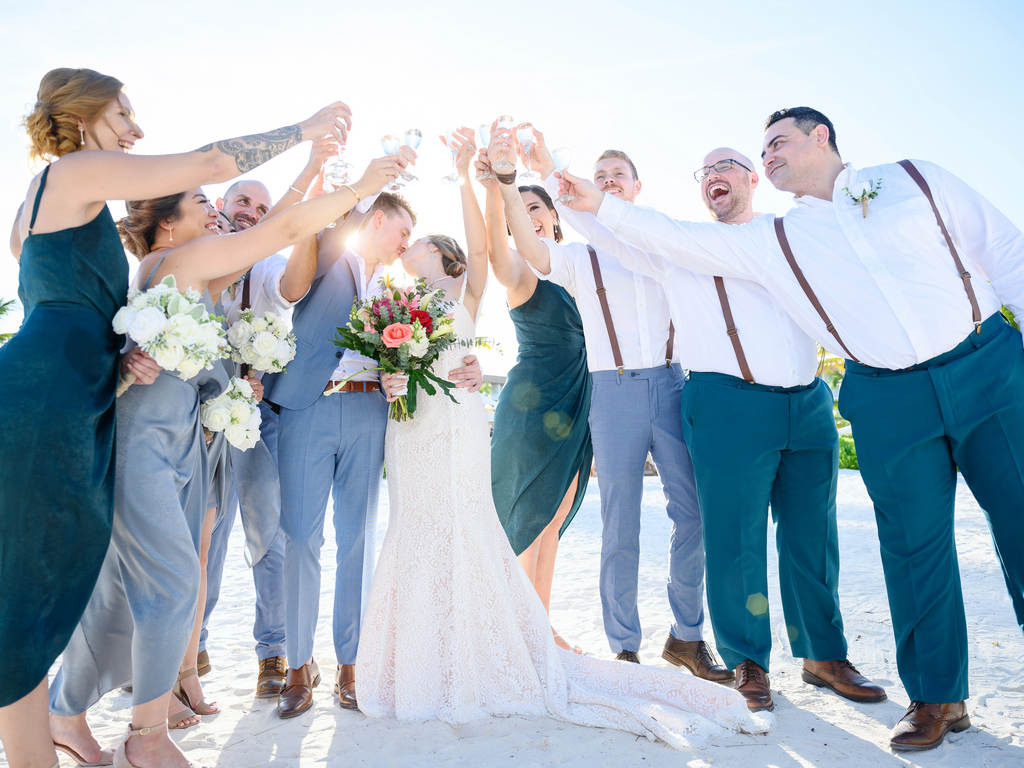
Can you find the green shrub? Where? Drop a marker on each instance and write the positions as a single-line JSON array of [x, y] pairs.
[[847, 453]]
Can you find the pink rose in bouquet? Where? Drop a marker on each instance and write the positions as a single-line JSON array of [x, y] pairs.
[[396, 334]]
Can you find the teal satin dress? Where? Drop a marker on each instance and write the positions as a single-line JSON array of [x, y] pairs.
[[57, 381], [541, 435]]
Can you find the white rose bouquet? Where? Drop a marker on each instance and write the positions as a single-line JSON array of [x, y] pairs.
[[173, 327], [263, 343], [235, 413]]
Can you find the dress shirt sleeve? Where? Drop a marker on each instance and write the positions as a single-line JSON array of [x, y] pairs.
[[266, 288], [563, 265], [710, 248], [603, 239], [982, 232]]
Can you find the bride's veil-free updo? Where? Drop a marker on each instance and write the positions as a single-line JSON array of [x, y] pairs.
[[453, 259], [138, 229], [65, 98]]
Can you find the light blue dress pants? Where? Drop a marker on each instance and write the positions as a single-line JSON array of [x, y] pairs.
[[631, 415], [333, 447], [268, 573]]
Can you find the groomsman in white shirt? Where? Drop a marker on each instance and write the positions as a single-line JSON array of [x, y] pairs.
[[272, 285], [878, 264], [765, 434], [634, 412]]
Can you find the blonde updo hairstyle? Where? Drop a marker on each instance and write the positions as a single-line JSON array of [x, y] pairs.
[[453, 259], [66, 97], [138, 229]]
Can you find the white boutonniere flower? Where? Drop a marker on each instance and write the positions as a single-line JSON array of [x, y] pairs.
[[863, 191]]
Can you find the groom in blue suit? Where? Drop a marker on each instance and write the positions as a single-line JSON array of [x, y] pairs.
[[331, 442]]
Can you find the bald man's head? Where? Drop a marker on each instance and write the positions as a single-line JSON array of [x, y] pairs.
[[245, 203], [728, 186]]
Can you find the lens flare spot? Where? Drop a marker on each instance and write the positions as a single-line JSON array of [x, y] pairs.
[[757, 604]]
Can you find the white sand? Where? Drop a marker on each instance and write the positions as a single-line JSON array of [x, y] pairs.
[[812, 728]]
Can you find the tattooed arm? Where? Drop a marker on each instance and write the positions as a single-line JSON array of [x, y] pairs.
[[95, 177]]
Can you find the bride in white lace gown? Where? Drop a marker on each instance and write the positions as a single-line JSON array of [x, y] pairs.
[[453, 629]]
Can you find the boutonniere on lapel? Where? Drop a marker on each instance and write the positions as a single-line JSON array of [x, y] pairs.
[[864, 191]]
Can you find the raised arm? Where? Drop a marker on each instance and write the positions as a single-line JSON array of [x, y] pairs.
[[207, 258], [321, 149], [530, 247], [96, 176], [710, 248], [473, 222]]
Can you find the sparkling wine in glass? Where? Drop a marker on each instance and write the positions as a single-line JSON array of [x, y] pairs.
[[411, 139], [337, 170], [450, 139], [484, 132], [391, 143], [525, 138], [561, 158], [505, 123]]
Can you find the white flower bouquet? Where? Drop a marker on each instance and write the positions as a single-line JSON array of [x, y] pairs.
[[172, 326], [235, 413], [263, 343]]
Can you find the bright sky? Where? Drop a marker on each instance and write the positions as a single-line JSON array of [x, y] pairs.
[[665, 81]]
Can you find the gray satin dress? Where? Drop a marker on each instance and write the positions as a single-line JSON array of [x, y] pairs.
[[139, 619]]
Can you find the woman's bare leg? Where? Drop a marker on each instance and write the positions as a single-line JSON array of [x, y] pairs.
[[25, 730]]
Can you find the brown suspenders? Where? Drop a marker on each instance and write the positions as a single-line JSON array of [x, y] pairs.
[[602, 297], [915, 174], [730, 329], [246, 304], [780, 233]]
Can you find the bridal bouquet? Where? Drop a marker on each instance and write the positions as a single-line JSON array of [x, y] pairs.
[[404, 330], [173, 327], [235, 413], [263, 343]]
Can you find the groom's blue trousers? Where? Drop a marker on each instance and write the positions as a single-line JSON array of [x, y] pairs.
[[633, 414], [913, 428], [334, 447], [754, 445]]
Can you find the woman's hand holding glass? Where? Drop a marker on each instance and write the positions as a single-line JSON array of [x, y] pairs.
[[484, 172]]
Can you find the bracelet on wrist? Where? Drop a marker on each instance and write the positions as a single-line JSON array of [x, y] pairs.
[[293, 188], [351, 189], [505, 178]]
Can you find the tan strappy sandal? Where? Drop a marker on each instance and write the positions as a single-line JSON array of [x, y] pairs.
[[106, 756], [200, 707], [121, 753]]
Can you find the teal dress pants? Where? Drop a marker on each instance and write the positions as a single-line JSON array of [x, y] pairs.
[[913, 429], [753, 445]]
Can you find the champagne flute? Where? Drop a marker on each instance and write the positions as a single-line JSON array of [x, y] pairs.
[[561, 157], [391, 144], [450, 139], [524, 136], [412, 140], [484, 132], [505, 123]]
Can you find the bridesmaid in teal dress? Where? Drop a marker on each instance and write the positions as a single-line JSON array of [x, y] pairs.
[[59, 372], [540, 450]]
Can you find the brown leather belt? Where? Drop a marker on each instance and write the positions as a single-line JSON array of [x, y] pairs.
[[353, 386]]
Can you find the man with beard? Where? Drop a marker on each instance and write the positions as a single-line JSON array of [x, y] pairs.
[[272, 285], [766, 435], [877, 263]]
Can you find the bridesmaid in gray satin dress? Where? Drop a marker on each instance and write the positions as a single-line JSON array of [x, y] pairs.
[[141, 615]]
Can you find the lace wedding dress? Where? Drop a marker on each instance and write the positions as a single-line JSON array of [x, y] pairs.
[[453, 629]]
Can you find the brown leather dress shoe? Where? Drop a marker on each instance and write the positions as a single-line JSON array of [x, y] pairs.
[[271, 678], [926, 725], [345, 686], [629, 656], [696, 657], [843, 678], [297, 695], [752, 682]]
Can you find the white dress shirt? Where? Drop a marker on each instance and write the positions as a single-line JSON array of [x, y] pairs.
[[637, 305], [888, 281], [352, 362], [778, 352], [264, 291]]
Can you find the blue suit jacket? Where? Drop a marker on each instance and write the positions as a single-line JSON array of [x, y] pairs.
[[314, 320]]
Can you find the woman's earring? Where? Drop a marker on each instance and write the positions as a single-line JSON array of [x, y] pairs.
[[170, 231], [81, 132]]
